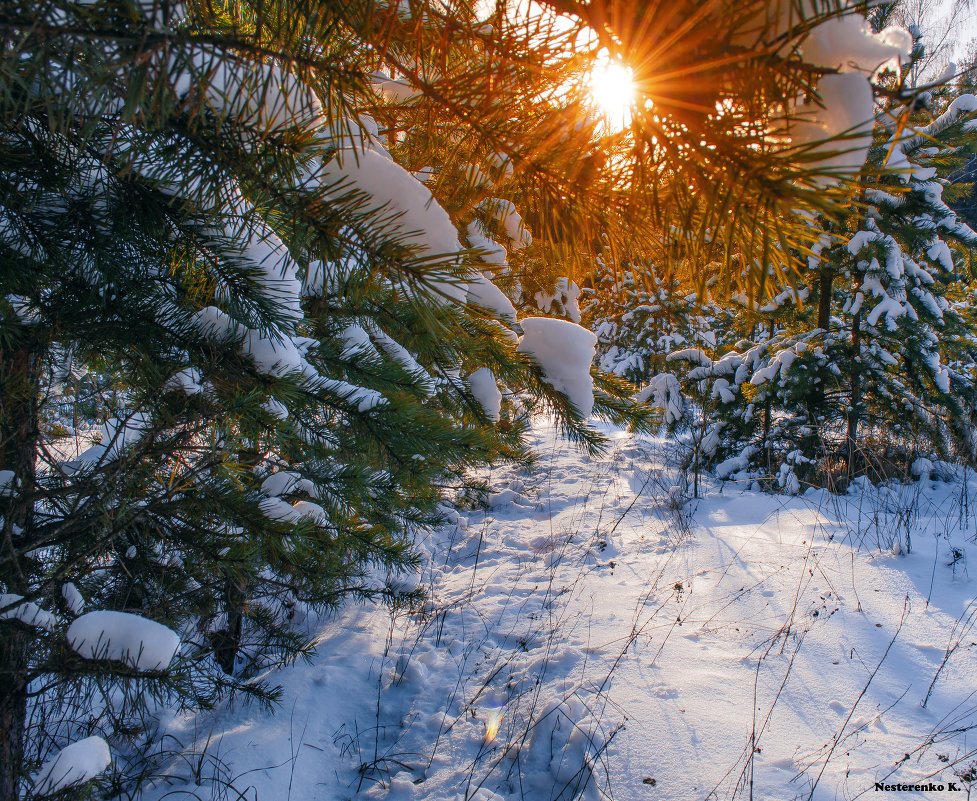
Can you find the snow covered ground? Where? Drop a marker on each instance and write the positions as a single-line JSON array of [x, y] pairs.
[[584, 637]]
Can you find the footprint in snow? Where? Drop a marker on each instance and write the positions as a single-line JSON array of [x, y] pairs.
[[931, 652], [507, 497]]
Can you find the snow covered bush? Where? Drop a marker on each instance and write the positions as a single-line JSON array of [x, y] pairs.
[[640, 319], [869, 360], [853, 367]]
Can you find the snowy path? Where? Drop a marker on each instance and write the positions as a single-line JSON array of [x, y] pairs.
[[739, 648]]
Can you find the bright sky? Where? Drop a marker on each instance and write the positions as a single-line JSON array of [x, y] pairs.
[[940, 23]]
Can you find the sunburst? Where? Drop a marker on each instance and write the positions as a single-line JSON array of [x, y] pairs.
[[613, 92]]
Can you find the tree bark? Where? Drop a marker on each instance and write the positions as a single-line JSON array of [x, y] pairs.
[[14, 642], [767, 411], [19, 433], [856, 391], [824, 299], [228, 641], [812, 445]]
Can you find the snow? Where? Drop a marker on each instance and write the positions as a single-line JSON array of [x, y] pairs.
[[847, 110], [734, 464], [588, 635], [189, 381], [779, 363], [261, 95], [504, 211], [274, 353], [796, 295], [507, 497], [941, 376], [694, 355], [722, 392], [914, 138], [861, 239], [278, 275], [285, 482], [275, 508], [846, 43], [664, 393], [473, 176], [490, 251], [139, 642], [26, 612], [307, 510], [922, 468], [113, 437], [486, 391], [357, 341], [565, 352], [403, 357], [275, 408], [397, 91], [73, 598], [483, 292], [362, 398], [566, 296], [962, 104], [411, 213], [72, 765], [23, 308], [939, 252]]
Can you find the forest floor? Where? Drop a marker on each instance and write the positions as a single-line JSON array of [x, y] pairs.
[[583, 637]]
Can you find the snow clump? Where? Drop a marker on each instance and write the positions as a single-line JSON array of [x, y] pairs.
[[846, 109], [74, 764], [565, 351], [26, 612], [486, 392], [139, 642]]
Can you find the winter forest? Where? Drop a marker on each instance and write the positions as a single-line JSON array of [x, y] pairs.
[[479, 401]]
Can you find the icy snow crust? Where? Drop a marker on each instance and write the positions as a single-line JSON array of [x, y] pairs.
[[745, 638]]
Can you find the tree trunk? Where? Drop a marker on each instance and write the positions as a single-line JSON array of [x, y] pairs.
[[824, 299], [812, 444], [767, 410], [856, 391], [14, 642], [19, 400], [228, 641]]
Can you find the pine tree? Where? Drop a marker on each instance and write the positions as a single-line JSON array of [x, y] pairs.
[[211, 207], [292, 341], [869, 361], [641, 320]]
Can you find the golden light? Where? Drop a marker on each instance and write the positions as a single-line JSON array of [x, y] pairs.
[[613, 92], [493, 720]]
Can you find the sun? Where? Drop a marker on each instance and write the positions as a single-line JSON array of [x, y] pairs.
[[613, 92]]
